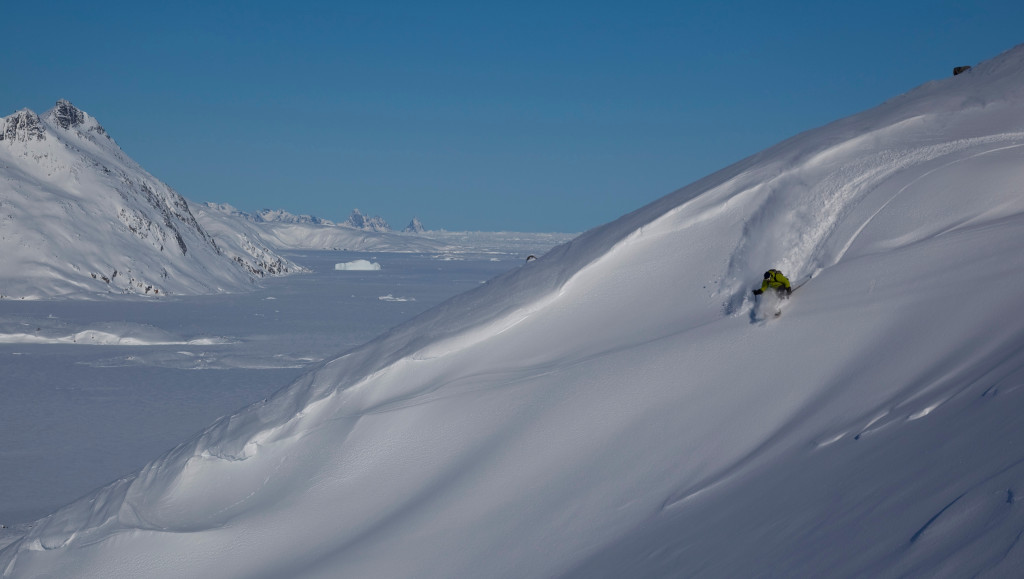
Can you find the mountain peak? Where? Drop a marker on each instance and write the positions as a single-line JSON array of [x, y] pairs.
[[119, 218], [23, 126], [282, 216], [415, 226], [359, 221], [67, 115]]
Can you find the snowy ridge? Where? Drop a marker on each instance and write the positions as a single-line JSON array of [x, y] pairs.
[[306, 236], [116, 335], [279, 215], [285, 231], [610, 410], [242, 241], [80, 218]]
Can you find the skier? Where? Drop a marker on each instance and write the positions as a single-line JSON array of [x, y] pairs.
[[773, 279]]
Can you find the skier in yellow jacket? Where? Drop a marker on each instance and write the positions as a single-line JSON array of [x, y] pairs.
[[773, 279]]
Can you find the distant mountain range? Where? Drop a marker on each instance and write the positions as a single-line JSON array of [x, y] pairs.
[[79, 217], [283, 230], [360, 221], [356, 220]]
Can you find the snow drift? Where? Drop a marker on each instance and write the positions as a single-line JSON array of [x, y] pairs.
[[612, 410]]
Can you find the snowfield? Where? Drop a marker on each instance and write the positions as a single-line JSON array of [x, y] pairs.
[[615, 409]]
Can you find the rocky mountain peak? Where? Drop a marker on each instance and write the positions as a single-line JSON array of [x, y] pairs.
[[282, 216], [67, 115], [359, 221], [415, 226], [22, 126]]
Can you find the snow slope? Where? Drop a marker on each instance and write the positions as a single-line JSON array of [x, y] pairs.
[[614, 409], [79, 217]]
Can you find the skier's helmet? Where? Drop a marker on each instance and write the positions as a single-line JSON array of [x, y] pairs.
[[767, 274]]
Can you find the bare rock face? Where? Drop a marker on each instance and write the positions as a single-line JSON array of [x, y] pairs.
[[67, 116], [415, 226], [22, 126], [359, 221]]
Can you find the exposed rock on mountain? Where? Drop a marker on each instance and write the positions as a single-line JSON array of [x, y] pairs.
[[414, 226], [359, 221], [282, 216], [282, 230], [22, 126], [80, 217]]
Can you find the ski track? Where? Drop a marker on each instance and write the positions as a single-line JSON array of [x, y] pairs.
[[814, 198], [841, 187], [856, 234]]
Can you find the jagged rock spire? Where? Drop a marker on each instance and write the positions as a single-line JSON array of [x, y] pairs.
[[415, 226], [360, 221]]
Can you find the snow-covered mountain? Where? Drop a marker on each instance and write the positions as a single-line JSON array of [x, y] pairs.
[[242, 241], [80, 217], [618, 408], [282, 216], [356, 220], [283, 230], [415, 226], [376, 223]]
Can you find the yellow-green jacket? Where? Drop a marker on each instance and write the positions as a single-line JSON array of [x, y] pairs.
[[774, 279]]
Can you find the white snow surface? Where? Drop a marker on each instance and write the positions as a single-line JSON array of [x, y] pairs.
[[107, 334], [614, 409], [357, 265], [78, 218]]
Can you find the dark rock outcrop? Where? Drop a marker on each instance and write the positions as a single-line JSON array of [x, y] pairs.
[[23, 126]]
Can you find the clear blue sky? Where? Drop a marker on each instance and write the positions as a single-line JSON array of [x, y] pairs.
[[526, 116]]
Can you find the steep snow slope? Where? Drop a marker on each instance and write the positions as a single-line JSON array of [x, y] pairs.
[[614, 409], [80, 217], [242, 241]]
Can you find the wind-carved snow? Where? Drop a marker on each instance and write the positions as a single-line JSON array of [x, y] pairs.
[[609, 410], [99, 338], [393, 298]]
